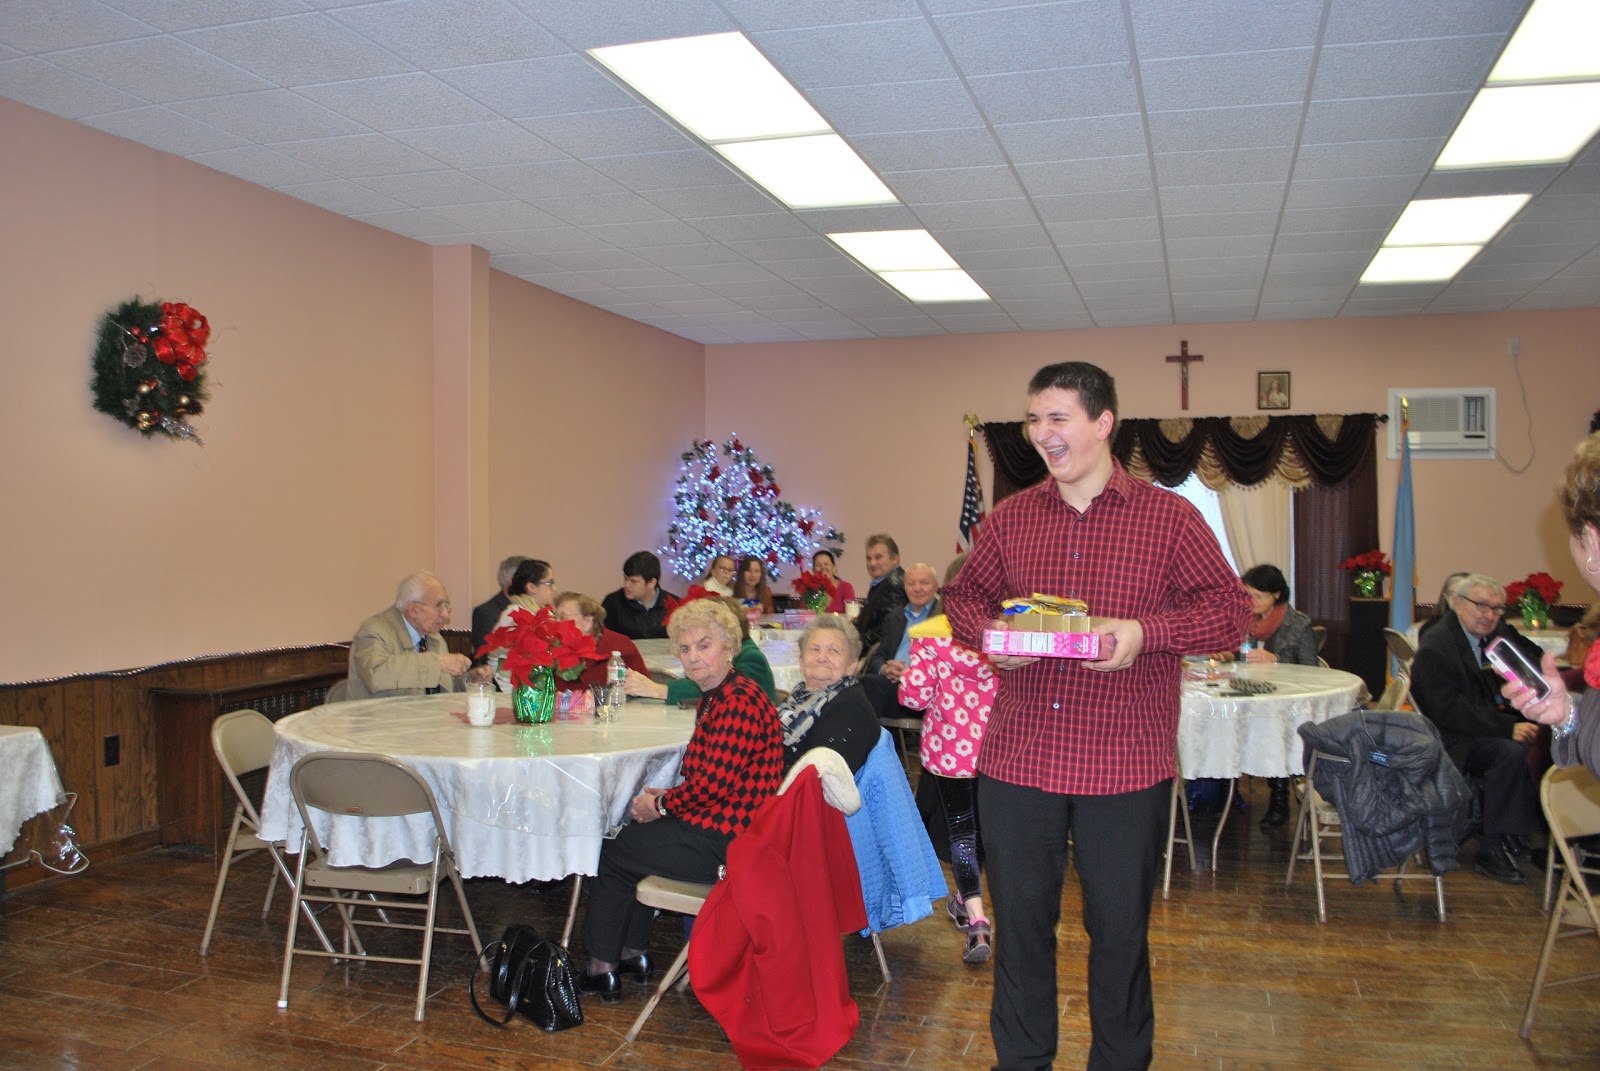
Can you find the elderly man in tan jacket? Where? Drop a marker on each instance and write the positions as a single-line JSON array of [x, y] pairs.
[[400, 651]]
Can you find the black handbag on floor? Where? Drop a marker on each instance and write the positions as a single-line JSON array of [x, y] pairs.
[[531, 975]]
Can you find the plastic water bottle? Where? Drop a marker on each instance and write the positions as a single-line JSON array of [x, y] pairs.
[[1245, 648], [616, 681]]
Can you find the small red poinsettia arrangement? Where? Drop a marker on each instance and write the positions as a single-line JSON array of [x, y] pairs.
[[814, 589], [1533, 596], [1373, 561], [536, 641]]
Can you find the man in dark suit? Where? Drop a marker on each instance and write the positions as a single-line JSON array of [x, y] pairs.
[[880, 678], [486, 614], [1455, 688], [887, 594]]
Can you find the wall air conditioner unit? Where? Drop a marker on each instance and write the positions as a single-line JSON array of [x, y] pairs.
[[1445, 421]]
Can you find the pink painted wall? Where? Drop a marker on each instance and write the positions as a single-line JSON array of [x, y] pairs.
[[872, 433], [588, 413]]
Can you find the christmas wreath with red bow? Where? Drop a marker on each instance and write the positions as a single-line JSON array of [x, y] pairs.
[[149, 367]]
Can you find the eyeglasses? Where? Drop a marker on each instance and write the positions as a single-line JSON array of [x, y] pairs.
[[544, 583], [1493, 609]]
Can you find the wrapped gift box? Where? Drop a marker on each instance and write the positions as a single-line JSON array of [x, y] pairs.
[[1041, 641]]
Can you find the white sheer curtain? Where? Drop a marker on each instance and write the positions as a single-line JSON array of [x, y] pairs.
[[1257, 522]]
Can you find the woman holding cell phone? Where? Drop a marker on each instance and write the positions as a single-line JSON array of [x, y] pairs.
[[1574, 719]]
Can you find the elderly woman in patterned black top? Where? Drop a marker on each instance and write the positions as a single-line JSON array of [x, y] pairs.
[[733, 763]]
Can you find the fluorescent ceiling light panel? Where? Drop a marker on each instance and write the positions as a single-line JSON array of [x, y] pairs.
[[1524, 125], [1454, 220], [1557, 39], [929, 286], [718, 85], [895, 250], [810, 172], [1418, 264]]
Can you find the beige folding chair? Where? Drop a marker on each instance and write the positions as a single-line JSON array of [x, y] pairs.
[[1571, 799], [1317, 820], [688, 897], [910, 754], [1321, 634], [242, 741], [1401, 648], [370, 786], [1187, 840], [1395, 694]]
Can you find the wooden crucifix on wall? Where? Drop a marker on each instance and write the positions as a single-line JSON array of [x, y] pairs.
[[1183, 358]]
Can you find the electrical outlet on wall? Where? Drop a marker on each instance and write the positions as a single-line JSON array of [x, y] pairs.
[[113, 746], [1514, 347]]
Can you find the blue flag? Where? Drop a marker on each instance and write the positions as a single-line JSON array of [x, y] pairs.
[[1403, 586]]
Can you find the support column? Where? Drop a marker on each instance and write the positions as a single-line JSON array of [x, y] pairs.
[[461, 426]]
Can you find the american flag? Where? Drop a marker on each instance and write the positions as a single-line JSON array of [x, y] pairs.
[[971, 502]]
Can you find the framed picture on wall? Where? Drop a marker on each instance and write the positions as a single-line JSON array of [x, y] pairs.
[[1272, 390]]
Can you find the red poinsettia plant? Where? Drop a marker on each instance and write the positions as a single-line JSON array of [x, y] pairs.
[[814, 589], [1373, 561], [1542, 585], [538, 640]]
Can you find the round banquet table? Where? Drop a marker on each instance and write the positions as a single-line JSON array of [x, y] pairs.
[[781, 646], [1223, 735], [29, 781], [521, 802]]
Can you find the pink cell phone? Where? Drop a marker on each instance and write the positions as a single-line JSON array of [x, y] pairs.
[[1513, 665]]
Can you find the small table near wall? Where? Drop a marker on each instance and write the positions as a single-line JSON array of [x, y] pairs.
[[30, 786]]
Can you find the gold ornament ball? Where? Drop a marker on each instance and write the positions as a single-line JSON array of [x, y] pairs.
[[183, 399], [144, 388]]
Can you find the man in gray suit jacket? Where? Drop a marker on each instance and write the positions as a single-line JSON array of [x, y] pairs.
[[400, 651]]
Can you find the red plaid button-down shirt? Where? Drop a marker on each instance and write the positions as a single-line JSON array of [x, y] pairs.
[[1138, 552]]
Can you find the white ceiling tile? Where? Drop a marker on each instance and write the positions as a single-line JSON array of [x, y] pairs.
[[960, 215], [1370, 118], [1307, 262], [1509, 271], [1073, 208], [653, 232], [164, 129], [1472, 183], [1210, 26], [1141, 317], [411, 222], [1066, 177], [30, 26], [471, 145], [1218, 224], [359, 156], [434, 188], [1074, 139], [1395, 68], [896, 107], [1034, 257], [714, 202], [601, 208], [1187, 287], [262, 166], [296, 50], [1383, 20], [399, 102], [44, 85], [690, 169], [899, 50], [159, 69], [1136, 272], [554, 85], [1222, 165], [1139, 228], [1225, 128], [1237, 80], [1243, 245], [497, 216], [1036, 37], [778, 250], [1142, 290], [979, 238], [601, 265], [928, 149], [594, 23], [958, 184], [1054, 276], [544, 179], [1351, 192], [269, 116], [450, 33], [1111, 253], [616, 132], [1236, 197], [687, 259], [1532, 232], [859, 218], [548, 241], [343, 197], [1335, 160], [1362, 218], [1318, 281], [732, 278], [751, 228], [1042, 96], [170, 17], [1298, 310], [1330, 242], [519, 264], [1561, 208]]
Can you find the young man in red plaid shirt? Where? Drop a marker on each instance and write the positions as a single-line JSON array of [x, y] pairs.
[[1086, 748]]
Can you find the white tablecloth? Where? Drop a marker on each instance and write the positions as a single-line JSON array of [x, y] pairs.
[[1226, 735], [521, 801], [781, 646], [29, 782]]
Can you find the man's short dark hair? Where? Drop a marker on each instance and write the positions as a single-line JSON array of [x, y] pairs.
[[1095, 388], [886, 540], [644, 565]]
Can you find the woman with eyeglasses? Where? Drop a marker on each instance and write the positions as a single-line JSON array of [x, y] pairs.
[[533, 587]]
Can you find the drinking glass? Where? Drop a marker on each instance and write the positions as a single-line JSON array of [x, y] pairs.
[[480, 703]]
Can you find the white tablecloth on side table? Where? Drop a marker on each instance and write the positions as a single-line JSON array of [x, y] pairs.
[[29, 781], [1222, 735], [521, 801]]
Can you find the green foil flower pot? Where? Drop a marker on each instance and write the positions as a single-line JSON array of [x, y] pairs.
[[533, 703]]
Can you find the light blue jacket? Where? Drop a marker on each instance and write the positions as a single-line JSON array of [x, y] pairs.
[[900, 874]]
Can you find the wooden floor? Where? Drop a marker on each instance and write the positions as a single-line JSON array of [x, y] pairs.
[[103, 971]]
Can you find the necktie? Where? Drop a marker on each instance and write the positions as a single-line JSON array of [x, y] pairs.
[[422, 648]]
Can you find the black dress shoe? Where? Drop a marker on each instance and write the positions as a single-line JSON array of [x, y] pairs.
[[637, 966], [1517, 848], [1497, 866], [605, 985]]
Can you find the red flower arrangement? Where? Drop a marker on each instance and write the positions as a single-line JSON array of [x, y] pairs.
[[814, 590], [1533, 596], [536, 640], [1373, 561]]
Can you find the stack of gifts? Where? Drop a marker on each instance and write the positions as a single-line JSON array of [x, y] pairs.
[[1044, 625]]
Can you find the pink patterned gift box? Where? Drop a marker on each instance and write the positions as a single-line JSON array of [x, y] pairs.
[[1042, 644]]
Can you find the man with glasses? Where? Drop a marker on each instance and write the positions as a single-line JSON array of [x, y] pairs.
[[400, 652], [1456, 689]]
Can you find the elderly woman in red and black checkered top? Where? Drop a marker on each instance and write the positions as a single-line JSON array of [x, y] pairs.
[[733, 763]]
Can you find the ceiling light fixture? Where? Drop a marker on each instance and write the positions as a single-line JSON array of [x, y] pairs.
[[1525, 124], [895, 250], [1418, 264], [1556, 39], [1454, 220], [930, 286]]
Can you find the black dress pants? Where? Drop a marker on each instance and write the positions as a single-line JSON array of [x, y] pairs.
[[1510, 796], [669, 847], [1118, 840]]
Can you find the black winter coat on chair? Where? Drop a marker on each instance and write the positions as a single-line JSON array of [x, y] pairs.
[[1397, 794]]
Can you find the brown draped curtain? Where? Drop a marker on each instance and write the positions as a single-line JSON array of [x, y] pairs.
[[1331, 462]]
